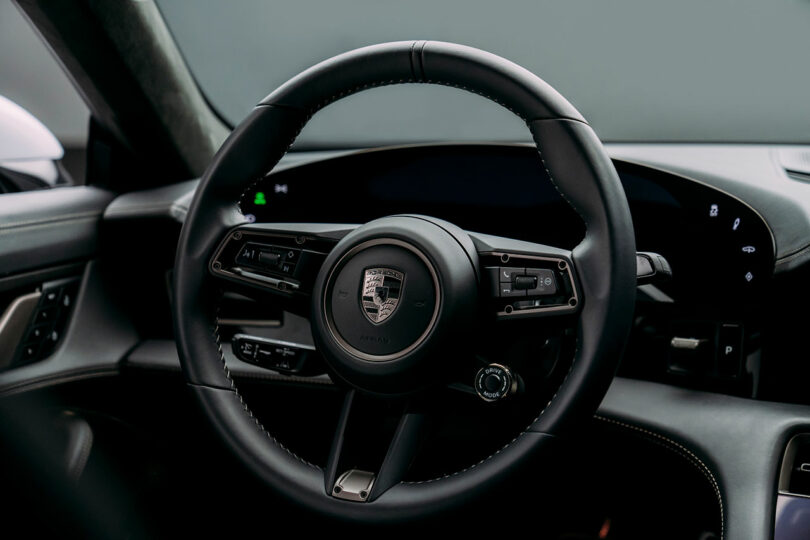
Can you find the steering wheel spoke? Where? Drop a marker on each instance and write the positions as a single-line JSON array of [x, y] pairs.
[[347, 475], [282, 259], [523, 279]]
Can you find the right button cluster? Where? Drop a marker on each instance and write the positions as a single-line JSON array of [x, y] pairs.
[[520, 282], [522, 285]]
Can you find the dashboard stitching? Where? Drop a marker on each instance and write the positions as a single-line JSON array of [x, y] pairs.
[[245, 406], [683, 452]]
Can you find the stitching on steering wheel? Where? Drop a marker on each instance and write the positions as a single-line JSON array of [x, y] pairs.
[[510, 443], [310, 113], [682, 451], [551, 178], [391, 82], [245, 407]]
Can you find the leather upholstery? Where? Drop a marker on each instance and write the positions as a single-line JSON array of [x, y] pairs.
[[48, 227], [432, 62], [576, 162], [744, 455]]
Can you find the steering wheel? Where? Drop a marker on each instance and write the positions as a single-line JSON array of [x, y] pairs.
[[392, 302]]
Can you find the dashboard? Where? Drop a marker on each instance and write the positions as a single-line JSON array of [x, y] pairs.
[[718, 246], [733, 229], [696, 329], [733, 226]]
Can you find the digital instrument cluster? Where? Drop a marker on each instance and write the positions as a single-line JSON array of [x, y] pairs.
[[717, 245]]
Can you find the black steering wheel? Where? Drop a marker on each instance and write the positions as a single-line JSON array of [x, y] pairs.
[[392, 302]]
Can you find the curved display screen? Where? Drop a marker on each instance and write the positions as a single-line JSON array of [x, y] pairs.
[[716, 244]]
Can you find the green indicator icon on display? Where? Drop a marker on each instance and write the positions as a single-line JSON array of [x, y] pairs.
[[260, 200]]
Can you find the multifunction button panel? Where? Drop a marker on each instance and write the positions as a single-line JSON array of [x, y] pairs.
[[281, 356], [524, 285], [276, 259], [278, 262], [521, 282]]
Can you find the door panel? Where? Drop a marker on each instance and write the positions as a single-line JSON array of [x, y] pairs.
[[71, 325], [44, 228]]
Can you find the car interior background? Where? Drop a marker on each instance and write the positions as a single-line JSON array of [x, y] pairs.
[[247, 284]]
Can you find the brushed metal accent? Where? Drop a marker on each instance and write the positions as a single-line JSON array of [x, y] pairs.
[[13, 325], [280, 284], [689, 344], [379, 309], [354, 485]]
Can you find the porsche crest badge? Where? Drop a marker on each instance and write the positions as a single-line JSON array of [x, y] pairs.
[[380, 293]]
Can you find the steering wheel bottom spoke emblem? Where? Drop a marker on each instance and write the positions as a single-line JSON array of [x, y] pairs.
[[380, 293]]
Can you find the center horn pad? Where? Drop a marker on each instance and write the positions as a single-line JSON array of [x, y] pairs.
[[382, 300], [392, 300]]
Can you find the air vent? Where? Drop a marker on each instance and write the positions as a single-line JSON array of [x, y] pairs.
[[793, 502], [798, 176], [796, 163], [794, 478]]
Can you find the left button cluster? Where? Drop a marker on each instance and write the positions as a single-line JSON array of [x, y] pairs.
[[281, 356], [277, 259]]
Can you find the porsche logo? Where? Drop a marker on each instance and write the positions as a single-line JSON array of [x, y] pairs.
[[380, 294]]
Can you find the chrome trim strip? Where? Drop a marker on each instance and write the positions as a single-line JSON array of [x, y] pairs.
[[14, 323]]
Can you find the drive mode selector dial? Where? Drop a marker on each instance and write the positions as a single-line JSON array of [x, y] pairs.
[[495, 382]]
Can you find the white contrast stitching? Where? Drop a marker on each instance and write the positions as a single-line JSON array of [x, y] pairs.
[[683, 452], [310, 113], [510, 443], [308, 116], [328, 101], [551, 178], [245, 406]]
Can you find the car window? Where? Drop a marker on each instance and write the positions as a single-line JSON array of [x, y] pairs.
[[727, 70], [31, 78]]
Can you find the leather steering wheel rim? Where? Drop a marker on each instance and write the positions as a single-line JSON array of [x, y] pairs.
[[577, 164]]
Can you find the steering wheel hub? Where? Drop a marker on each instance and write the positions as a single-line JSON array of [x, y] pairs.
[[382, 300], [382, 303]]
